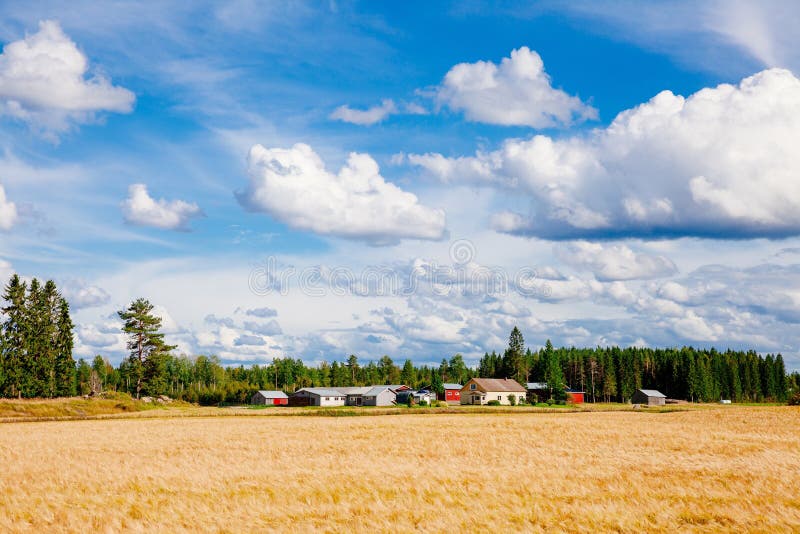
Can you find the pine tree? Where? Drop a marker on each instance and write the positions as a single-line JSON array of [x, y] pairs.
[[408, 375], [145, 342]]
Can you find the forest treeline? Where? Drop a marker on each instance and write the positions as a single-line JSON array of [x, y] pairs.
[[36, 361]]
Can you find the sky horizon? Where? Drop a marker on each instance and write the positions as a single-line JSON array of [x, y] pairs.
[[313, 180]]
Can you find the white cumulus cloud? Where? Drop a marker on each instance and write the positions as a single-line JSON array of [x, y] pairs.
[[365, 117], [143, 210], [43, 81], [8, 211], [722, 162], [293, 186], [615, 262], [518, 92]]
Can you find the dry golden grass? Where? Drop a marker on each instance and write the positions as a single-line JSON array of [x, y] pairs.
[[724, 469]]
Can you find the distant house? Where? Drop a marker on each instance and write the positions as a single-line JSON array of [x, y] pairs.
[[650, 397], [451, 395], [380, 396], [483, 390], [423, 395], [276, 398], [354, 396], [317, 397], [574, 396]]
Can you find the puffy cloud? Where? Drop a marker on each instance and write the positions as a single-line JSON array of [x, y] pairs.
[[615, 262], [6, 270], [251, 341], [143, 210], [262, 312], [270, 328], [365, 117], [517, 92], [43, 81], [721, 163], [8, 211], [81, 294], [293, 186]]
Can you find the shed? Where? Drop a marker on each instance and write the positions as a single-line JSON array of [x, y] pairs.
[[650, 397], [317, 397], [276, 398], [451, 393], [537, 391], [380, 396], [574, 396]]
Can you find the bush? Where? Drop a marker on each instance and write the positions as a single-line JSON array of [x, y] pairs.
[[493, 403], [512, 400], [794, 400], [423, 403]]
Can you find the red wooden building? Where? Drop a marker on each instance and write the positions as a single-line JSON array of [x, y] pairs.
[[575, 397], [452, 393], [275, 398]]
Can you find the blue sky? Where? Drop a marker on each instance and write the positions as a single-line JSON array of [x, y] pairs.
[[634, 161]]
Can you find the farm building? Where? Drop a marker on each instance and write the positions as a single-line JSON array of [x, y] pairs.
[[650, 397], [452, 393], [537, 392], [276, 398], [483, 390], [354, 396], [380, 396], [317, 397], [574, 396]]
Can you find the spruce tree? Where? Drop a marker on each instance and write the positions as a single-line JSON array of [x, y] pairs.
[[14, 331], [145, 342], [64, 364]]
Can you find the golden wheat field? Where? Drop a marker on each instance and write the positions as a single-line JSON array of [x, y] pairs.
[[727, 469]]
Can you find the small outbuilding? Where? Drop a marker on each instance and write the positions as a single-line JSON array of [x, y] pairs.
[[317, 397], [574, 396], [380, 396], [276, 398], [649, 397]]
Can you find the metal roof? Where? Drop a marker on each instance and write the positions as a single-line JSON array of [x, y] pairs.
[[377, 390], [498, 384], [451, 386], [358, 390], [653, 393], [536, 385], [273, 394], [322, 392]]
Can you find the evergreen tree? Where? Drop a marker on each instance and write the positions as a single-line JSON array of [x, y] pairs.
[[514, 357], [14, 332], [64, 364], [553, 374], [352, 366], [408, 375], [145, 343]]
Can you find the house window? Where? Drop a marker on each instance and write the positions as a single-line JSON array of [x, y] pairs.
[[327, 398], [499, 397], [473, 386]]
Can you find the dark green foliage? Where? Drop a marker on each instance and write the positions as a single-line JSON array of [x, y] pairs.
[[147, 347], [493, 403], [35, 341]]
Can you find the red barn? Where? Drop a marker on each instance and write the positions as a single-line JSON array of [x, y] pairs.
[[452, 394], [575, 397], [275, 398]]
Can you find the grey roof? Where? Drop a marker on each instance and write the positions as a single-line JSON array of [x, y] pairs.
[[653, 393], [322, 392], [377, 390], [451, 386], [536, 385], [273, 394], [353, 390]]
